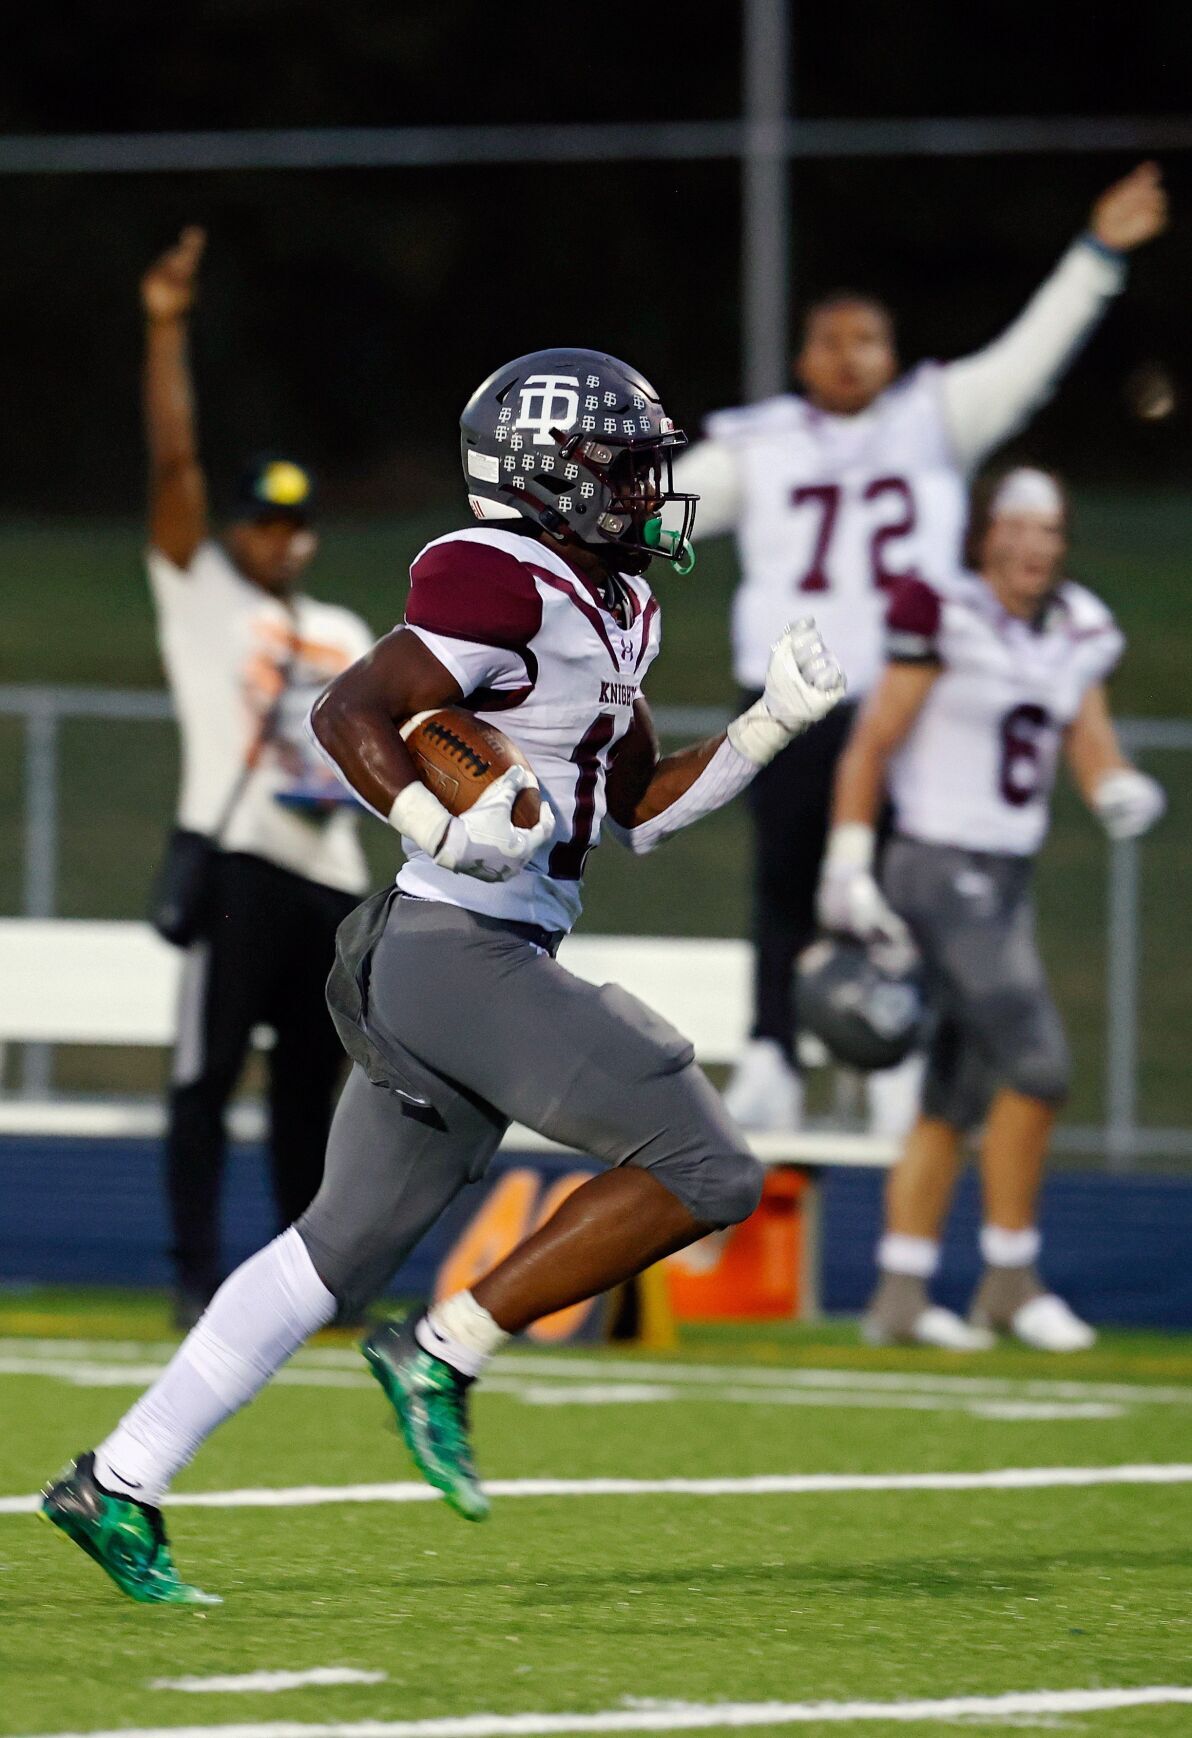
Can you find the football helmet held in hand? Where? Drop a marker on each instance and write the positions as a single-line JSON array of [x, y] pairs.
[[865, 1004]]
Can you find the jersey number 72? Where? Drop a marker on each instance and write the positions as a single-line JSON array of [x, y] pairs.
[[826, 499]]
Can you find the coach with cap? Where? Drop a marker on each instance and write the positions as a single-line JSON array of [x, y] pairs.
[[264, 861]]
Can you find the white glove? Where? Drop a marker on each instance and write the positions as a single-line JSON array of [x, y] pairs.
[[483, 841], [803, 683], [849, 899], [1128, 803]]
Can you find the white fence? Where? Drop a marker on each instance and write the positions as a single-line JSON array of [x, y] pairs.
[[1121, 1139]]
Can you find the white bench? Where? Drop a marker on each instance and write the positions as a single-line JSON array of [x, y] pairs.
[[85, 982]]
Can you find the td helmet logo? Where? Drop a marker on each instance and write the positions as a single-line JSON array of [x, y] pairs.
[[548, 401]]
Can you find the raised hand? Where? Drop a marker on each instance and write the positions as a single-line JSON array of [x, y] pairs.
[[168, 287], [803, 683], [1132, 211]]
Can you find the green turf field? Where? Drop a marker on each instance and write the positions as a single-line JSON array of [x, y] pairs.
[[76, 611], [624, 1602]]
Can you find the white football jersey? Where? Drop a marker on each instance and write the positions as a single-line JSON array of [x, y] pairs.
[[834, 510], [978, 765], [538, 654], [226, 645], [829, 511]]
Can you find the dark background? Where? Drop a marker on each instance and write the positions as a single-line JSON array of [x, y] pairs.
[[348, 314]]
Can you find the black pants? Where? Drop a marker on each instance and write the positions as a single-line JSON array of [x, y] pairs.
[[790, 802], [264, 960]]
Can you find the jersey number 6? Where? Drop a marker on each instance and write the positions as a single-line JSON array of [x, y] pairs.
[[827, 497], [1024, 732]]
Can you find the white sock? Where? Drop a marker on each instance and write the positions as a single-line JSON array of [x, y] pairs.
[[461, 1332], [918, 1256], [1002, 1248], [259, 1316]]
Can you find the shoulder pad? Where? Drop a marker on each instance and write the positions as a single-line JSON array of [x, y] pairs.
[[475, 585], [1085, 609]]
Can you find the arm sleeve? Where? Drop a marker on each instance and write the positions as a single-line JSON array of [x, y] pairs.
[[988, 396], [709, 470], [913, 622], [725, 776], [477, 609]]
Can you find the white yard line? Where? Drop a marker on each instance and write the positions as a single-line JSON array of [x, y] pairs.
[[631, 1369], [1021, 1478], [620, 1393], [688, 1716], [84, 1374], [617, 1370], [268, 1683]]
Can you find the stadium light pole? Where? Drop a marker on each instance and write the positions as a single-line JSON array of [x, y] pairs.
[[765, 197]]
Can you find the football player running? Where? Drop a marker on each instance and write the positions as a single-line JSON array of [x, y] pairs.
[[988, 678], [835, 493], [447, 992]]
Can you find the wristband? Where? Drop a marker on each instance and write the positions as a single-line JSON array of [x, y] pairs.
[[1113, 254], [851, 845], [758, 735], [419, 815]]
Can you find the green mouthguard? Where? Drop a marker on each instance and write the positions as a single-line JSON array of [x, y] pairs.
[[655, 537]]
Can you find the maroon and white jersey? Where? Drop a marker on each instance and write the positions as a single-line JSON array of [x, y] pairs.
[[830, 513], [538, 654], [978, 765]]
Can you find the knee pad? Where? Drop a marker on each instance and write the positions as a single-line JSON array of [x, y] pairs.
[[734, 1188], [1023, 1039], [718, 1186], [958, 1083], [1041, 1071]]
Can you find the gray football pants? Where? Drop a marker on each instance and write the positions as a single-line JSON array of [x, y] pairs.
[[479, 1028], [971, 915]]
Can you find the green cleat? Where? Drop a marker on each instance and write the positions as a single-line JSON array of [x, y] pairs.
[[126, 1538], [431, 1402]]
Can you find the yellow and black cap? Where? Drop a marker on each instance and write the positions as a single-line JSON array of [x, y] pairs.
[[270, 484]]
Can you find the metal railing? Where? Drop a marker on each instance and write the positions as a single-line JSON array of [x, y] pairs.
[[1121, 1139]]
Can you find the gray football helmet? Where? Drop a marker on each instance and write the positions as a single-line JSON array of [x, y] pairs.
[[579, 443], [865, 1004]]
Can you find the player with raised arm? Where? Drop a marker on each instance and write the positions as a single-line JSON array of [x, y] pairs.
[[836, 493], [988, 677], [447, 992], [265, 861]]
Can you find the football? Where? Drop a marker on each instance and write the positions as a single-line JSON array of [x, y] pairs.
[[458, 756]]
